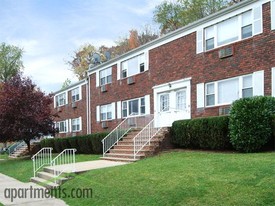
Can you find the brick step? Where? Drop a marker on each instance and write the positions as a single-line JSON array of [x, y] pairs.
[[119, 159], [44, 183], [131, 143], [124, 156], [50, 177], [127, 151], [131, 147]]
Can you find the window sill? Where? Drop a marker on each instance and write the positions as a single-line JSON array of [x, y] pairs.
[[122, 78]]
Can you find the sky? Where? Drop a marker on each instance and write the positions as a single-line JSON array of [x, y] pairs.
[[49, 31]]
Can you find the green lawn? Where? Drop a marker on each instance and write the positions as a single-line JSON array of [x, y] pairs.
[[22, 169], [4, 156], [183, 178], [176, 178]]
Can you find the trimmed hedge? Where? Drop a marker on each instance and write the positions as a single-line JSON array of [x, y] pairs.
[[202, 133], [86, 144], [250, 123]]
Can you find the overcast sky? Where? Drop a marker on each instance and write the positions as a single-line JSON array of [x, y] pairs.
[[50, 30]]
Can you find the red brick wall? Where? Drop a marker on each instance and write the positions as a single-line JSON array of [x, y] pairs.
[[178, 59], [67, 112]]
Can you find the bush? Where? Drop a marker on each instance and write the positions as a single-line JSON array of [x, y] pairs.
[[202, 133], [86, 144], [250, 123]]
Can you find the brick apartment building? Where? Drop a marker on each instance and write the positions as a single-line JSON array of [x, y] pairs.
[[195, 71]]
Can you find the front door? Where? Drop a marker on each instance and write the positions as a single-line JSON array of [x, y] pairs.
[[172, 104]]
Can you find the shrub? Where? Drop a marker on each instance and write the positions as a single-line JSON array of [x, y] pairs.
[[250, 123], [48, 143], [85, 146], [73, 142], [57, 145], [202, 133], [96, 142]]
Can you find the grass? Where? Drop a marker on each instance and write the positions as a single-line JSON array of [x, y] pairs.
[[175, 178], [22, 168], [4, 156], [182, 178]]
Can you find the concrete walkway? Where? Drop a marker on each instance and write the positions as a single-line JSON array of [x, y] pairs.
[[89, 165], [27, 194]]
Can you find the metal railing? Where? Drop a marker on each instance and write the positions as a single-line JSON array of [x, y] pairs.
[[41, 158], [144, 136], [16, 147], [12, 147], [64, 162], [123, 128]]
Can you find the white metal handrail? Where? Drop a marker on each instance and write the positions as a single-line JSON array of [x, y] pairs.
[[64, 162], [21, 144], [123, 128], [144, 136], [41, 158]]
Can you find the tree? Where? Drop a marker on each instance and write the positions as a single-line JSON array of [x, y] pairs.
[[25, 111], [171, 16], [66, 83], [81, 60], [10, 61]]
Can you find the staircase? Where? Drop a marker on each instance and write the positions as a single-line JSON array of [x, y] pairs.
[[124, 149], [20, 150], [47, 178], [54, 171], [135, 143]]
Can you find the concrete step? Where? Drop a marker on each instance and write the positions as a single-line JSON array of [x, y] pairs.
[[51, 177], [45, 183], [131, 147]]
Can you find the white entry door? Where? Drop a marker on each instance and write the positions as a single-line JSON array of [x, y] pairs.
[[172, 104]]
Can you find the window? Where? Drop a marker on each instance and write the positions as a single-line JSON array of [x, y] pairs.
[[246, 24], [209, 38], [106, 112], [210, 94], [181, 100], [62, 126], [60, 99], [164, 102], [75, 94], [133, 66], [133, 107], [228, 31], [105, 76], [247, 90], [76, 124], [229, 90]]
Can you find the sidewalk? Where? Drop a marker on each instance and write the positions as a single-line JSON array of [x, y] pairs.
[[9, 186], [89, 165]]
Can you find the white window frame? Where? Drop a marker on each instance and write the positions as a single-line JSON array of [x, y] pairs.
[[179, 105], [59, 98], [127, 102], [161, 105], [239, 25], [105, 109], [75, 93], [58, 125], [103, 74], [141, 59], [76, 123], [216, 94]]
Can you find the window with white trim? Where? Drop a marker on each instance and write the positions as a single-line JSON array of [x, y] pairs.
[[62, 126], [133, 66], [106, 112], [105, 76], [164, 102], [76, 124], [230, 30], [181, 100], [75, 94], [133, 107], [60, 99], [228, 90]]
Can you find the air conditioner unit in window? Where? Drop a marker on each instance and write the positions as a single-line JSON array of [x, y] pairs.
[[73, 134], [59, 109], [226, 52], [103, 88], [224, 111], [73, 105], [104, 125], [130, 80]]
